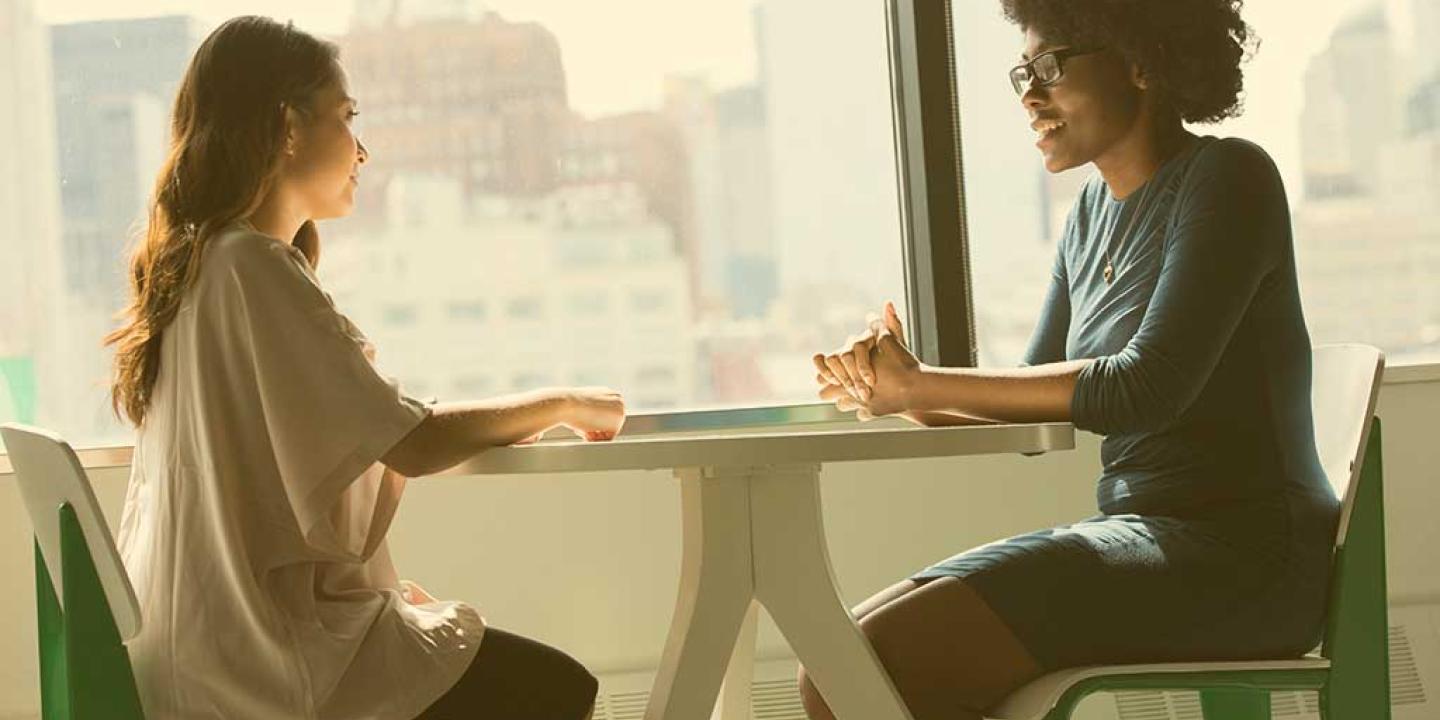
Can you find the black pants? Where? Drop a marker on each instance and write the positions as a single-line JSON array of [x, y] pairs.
[[514, 678]]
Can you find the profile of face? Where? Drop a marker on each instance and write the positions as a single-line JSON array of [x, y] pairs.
[[1097, 101], [323, 155]]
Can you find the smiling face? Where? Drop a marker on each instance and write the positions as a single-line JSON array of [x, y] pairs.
[[1096, 104], [322, 165]]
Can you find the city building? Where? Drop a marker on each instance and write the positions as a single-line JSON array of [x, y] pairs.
[[500, 294], [32, 321], [114, 83]]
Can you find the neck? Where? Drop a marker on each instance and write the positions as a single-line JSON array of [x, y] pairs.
[[1131, 162], [279, 216]]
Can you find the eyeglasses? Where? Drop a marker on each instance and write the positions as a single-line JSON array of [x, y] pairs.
[[1044, 69]]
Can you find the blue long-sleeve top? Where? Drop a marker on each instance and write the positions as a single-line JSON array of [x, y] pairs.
[[1201, 379]]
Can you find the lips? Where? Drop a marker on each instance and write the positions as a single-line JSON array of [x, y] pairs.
[[1045, 127]]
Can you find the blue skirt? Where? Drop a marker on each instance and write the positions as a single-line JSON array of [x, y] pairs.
[[1244, 581]]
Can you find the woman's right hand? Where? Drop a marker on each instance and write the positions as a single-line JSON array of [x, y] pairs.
[[594, 413]]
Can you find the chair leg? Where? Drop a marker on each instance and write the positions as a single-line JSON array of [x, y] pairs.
[[54, 683], [1231, 704], [1356, 640]]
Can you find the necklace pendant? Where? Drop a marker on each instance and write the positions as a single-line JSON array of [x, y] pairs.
[[1109, 273]]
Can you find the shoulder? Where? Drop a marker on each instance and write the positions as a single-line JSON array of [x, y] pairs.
[[244, 268], [242, 255], [1234, 160]]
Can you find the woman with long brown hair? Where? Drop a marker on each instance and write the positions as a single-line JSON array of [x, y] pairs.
[[271, 456]]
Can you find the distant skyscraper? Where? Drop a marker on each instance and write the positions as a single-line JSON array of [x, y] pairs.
[[482, 101], [114, 83], [1425, 14], [30, 326], [824, 72], [1351, 108], [727, 144]]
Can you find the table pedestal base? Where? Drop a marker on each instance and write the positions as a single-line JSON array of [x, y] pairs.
[[756, 534]]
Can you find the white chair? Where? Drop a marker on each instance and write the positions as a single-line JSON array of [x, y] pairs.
[[1351, 672], [85, 605]]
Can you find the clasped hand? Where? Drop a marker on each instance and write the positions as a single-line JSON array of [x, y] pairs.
[[873, 373]]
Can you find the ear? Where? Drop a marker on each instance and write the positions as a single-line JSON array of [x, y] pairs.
[[292, 122], [1139, 77]]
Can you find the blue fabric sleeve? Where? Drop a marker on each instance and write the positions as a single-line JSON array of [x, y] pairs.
[[1222, 245], [1047, 343]]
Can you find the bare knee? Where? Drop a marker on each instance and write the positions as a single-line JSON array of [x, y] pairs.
[[947, 652]]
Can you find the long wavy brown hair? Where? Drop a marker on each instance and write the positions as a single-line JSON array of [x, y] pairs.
[[227, 137]]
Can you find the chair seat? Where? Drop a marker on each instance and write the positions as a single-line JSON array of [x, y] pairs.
[[1037, 698]]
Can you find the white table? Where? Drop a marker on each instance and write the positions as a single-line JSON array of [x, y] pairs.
[[753, 533]]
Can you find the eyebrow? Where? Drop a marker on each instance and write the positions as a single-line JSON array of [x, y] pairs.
[[1043, 49]]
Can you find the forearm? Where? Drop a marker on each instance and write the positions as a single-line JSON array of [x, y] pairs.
[[1041, 393], [457, 431]]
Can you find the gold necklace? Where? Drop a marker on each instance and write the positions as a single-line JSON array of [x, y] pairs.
[[1110, 246]]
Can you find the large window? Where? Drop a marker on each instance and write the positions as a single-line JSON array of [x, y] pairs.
[[1344, 95], [560, 192], [681, 200]]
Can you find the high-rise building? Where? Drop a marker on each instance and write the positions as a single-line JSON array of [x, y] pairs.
[[727, 145], [31, 339], [482, 101], [1425, 19], [1365, 228], [580, 287], [828, 110], [1351, 108], [114, 83]]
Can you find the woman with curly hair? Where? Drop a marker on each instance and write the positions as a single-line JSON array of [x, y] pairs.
[[1173, 327]]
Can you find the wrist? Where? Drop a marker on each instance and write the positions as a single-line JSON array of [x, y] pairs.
[[557, 406], [914, 392]]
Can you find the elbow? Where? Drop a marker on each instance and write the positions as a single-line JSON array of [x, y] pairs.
[[1113, 397], [415, 454]]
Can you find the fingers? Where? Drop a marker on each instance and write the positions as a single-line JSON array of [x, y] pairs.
[[833, 393], [842, 376], [859, 385], [844, 401], [892, 321], [824, 375]]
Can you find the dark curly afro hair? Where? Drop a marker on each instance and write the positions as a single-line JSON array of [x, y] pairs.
[[1190, 50]]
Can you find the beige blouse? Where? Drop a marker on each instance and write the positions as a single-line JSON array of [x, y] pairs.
[[255, 520]]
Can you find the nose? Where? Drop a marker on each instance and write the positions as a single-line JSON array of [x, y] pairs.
[[362, 153], [1036, 96]]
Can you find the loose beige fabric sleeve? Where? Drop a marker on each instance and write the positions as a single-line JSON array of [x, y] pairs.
[[329, 414]]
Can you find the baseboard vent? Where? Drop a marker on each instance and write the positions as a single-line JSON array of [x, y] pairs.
[[774, 694], [1414, 663], [1158, 705], [1414, 682]]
